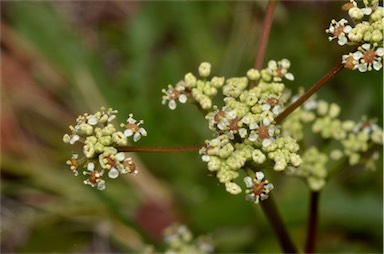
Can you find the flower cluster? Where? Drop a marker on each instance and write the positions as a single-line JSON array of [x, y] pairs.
[[350, 140], [101, 142], [198, 91], [244, 126], [179, 239], [366, 33]]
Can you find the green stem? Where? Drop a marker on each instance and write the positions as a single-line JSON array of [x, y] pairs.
[[159, 149], [271, 212], [309, 93], [265, 34], [312, 222]]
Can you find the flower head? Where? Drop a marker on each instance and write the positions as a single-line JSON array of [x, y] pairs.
[[257, 187], [134, 128], [101, 143]]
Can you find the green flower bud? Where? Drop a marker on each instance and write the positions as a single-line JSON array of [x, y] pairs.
[[253, 74], [204, 69], [190, 80]]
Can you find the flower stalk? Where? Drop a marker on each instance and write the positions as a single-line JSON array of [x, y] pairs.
[[159, 149], [309, 93], [312, 222], [265, 34], [270, 210]]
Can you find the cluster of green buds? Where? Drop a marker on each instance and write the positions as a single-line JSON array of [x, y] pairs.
[[199, 91], [366, 33], [101, 143], [352, 140], [246, 134], [179, 239]]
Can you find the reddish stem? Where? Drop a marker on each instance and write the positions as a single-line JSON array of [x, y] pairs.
[[265, 34], [159, 149], [309, 93], [312, 223]]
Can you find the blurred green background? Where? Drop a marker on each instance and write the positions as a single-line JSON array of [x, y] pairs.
[[64, 58]]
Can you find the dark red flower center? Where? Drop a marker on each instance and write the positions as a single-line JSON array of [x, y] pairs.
[[93, 177], [338, 30], [133, 127], [369, 56], [220, 115], [258, 188], [263, 132], [111, 161], [234, 126], [273, 101]]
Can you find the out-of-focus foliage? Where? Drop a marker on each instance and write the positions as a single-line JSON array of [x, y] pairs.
[[62, 58]]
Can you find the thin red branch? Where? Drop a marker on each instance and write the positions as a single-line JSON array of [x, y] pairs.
[[309, 93], [159, 149], [265, 34]]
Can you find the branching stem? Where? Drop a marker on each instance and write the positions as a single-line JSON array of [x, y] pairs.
[[159, 149], [309, 93]]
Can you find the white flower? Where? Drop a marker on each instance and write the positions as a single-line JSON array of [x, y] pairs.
[[368, 57], [133, 128], [257, 188], [173, 94], [339, 30]]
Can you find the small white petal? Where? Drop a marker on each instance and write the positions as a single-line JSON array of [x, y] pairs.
[[136, 137], [113, 173], [250, 197], [110, 119], [243, 132], [128, 132], [272, 64], [266, 121], [74, 139], [143, 132], [265, 107], [248, 182], [276, 110], [347, 29], [342, 40], [377, 65], [205, 158], [380, 52], [91, 166], [120, 156], [285, 63], [232, 114], [101, 185], [266, 142], [131, 120], [253, 126], [183, 98], [357, 55], [289, 76], [172, 104], [366, 46], [268, 187], [367, 11], [252, 137], [92, 120], [259, 175], [363, 67]]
